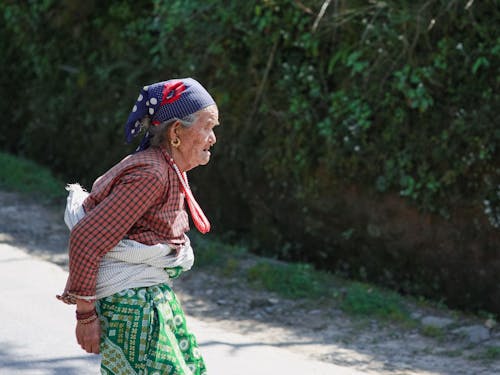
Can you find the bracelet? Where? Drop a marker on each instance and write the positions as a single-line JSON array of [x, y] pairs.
[[67, 299], [85, 315], [71, 299], [88, 320]]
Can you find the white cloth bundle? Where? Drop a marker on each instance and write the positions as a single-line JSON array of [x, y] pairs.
[[130, 264]]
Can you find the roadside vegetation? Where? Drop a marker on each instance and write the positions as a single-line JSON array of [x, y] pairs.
[[303, 281], [27, 177]]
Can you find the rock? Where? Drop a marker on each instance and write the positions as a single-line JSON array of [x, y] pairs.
[[436, 322], [258, 303], [318, 326], [416, 315], [270, 309], [473, 334], [257, 316], [490, 323]]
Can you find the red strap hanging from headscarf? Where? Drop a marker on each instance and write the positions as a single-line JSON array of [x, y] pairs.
[[199, 219]]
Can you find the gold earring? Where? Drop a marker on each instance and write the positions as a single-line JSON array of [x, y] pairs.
[[175, 142]]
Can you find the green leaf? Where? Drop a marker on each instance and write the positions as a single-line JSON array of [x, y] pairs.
[[481, 61]]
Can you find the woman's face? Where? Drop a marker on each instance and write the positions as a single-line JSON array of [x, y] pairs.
[[196, 140]]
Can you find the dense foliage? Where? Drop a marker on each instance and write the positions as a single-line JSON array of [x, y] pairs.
[[359, 135]]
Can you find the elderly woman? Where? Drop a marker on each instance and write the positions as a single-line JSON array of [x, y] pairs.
[[128, 237]]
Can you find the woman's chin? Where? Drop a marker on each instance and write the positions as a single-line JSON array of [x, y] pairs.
[[201, 161], [206, 157]]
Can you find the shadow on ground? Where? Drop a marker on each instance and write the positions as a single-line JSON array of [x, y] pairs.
[[53, 366]]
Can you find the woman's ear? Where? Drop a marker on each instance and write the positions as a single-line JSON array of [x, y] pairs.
[[173, 132]]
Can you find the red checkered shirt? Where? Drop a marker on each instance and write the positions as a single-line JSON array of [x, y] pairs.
[[140, 199]]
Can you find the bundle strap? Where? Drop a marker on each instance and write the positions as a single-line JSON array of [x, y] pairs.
[[199, 219]]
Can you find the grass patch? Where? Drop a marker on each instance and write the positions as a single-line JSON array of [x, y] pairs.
[[452, 353], [292, 280], [491, 353], [25, 176], [299, 280], [434, 332], [214, 253], [366, 300]]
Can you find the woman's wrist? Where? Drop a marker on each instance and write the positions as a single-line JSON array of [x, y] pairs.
[[86, 317], [83, 306], [85, 312]]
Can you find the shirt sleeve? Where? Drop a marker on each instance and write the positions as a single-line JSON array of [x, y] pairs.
[[106, 224]]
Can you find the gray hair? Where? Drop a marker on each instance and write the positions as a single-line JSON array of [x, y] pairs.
[[159, 132]]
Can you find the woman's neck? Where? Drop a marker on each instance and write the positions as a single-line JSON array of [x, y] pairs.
[[174, 154]]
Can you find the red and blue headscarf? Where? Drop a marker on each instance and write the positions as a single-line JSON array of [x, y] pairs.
[[162, 101]]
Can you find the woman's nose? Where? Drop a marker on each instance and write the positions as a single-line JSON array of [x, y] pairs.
[[212, 138]]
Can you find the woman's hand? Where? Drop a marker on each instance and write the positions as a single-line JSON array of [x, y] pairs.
[[89, 336]]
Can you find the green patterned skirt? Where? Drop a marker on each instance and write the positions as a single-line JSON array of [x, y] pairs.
[[144, 332]]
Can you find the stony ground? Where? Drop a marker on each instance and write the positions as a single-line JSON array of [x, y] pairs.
[[438, 342]]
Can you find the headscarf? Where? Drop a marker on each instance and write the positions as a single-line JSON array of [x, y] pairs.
[[162, 101]]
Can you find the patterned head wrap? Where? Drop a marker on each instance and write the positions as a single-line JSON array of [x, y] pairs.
[[162, 101]]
